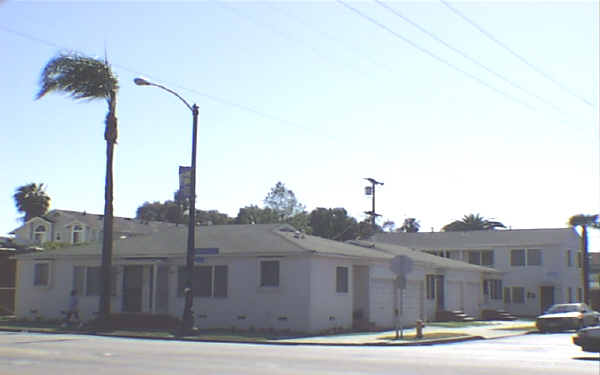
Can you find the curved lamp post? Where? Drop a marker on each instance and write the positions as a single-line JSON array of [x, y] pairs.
[[188, 316]]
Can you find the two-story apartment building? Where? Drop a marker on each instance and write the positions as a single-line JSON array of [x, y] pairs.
[[539, 267], [74, 227]]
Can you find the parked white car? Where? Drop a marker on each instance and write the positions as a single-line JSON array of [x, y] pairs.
[[567, 316]]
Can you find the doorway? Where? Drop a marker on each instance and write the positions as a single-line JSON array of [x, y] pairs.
[[547, 297], [439, 293], [132, 288], [360, 297]]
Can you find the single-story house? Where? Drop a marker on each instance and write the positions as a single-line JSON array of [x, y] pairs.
[[252, 277]]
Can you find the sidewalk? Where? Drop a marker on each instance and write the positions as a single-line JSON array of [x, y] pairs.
[[433, 333]]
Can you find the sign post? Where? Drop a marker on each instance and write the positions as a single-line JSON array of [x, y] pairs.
[[400, 265]]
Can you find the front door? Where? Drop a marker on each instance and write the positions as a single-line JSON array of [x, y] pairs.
[[547, 297], [132, 288]]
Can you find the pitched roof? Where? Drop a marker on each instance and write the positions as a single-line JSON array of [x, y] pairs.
[[275, 239], [423, 258], [120, 224], [479, 238]]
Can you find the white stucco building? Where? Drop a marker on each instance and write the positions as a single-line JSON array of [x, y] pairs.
[[253, 277], [539, 267]]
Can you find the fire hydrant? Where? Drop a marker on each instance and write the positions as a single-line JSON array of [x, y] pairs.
[[419, 328]]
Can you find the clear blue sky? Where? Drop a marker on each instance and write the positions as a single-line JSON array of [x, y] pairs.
[[318, 97]]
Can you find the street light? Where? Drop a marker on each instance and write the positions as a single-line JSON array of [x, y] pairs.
[[188, 317]]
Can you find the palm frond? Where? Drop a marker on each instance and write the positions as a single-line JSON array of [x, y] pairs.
[[79, 76]]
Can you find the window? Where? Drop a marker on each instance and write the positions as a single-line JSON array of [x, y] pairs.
[[77, 234], [475, 257], [88, 280], [579, 259], [517, 257], [41, 274], [341, 280], [220, 281], [487, 258], [430, 286], [534, 257], [506, 295], [570, 295], [79, 279], [269, 273], [39, 234], [202, 281], [579, 295], [518, 294], [208, 281], [493, 288], [93, 283]]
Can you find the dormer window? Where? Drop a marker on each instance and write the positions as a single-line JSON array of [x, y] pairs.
[[39, 234], [77, 234]]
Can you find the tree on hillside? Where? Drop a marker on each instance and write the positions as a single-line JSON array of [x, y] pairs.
[[410, 225], [388, 226], [84, 77], [584, 221], [472, 222], [333, 223], [255, 215], [283, 201], [31, 200], [212, 217]]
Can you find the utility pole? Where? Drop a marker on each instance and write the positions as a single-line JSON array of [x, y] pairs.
[[370, 190]]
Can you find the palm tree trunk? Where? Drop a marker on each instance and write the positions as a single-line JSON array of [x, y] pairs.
[[110, 135], [585, 266]]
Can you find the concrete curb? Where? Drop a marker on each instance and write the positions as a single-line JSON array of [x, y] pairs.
[[424, 342]]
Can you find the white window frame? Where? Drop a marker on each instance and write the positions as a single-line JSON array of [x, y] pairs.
[[43, 234], [78, 231]]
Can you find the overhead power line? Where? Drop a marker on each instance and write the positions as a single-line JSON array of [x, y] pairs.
[[434, 56], [213, 98], [463, 54], [289, 37], [515, 54]]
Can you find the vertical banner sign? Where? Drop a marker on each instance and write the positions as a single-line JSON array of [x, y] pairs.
[[185, 181]]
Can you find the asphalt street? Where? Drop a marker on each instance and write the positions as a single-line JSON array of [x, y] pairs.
[[22, 354]]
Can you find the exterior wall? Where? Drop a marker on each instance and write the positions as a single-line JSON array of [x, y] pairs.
[[250, 306], [47, 302], [553, 272], [328, 308], [410, 303], [464, 292]]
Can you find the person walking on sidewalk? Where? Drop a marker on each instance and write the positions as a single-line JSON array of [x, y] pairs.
[[73, 311]]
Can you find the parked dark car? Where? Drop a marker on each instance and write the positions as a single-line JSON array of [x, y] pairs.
[[567, 316], [588, 339]]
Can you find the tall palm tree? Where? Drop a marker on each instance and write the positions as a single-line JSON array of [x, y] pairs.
[[584, 221], [32, 200], [410, 225], [83, 77], [472, 222]]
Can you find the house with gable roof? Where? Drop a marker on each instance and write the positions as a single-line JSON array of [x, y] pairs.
[[251, 277], [75, 227]]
